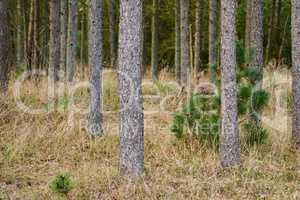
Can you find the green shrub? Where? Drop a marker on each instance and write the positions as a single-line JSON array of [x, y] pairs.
[[62, 184], [256, 134]]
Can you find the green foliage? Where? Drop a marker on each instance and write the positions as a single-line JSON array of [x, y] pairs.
[[62, 184], [260, 98], [256, 134]]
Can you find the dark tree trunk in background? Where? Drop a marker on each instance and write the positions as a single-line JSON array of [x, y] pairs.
[[131, 159], [112, 6], [36, 36], [19, 42], [198, 38], [177, 42], [185, 41], [95, 63], [213, 36], [30, 38], [4, 46], [72, 39], [229, 141], [296, 71], [269, 48], [63, 33], [248, 25], [154, 47]]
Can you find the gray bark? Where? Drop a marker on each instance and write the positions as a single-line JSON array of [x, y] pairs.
[[54, 46], [131, 159], [177, 41], [112, 32], [213, 35], [229, 141], [154, 48], [296, 71], [185, 41], [4, 46], [19, 33], [95, 62], [198, 38], [63, 33], [72, 39]]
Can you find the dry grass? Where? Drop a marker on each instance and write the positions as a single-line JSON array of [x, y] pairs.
[[35, 148]]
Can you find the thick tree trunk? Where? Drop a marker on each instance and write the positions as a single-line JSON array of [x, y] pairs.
[[54, 46], [154, 48], [177, 41], [95, 62], [230, 142], [296, 71], [72, 39], [4, 46], [131, 159], [198, 38], [63, 33], [112, 32], [185, 41], [213, 36], [256, 39]]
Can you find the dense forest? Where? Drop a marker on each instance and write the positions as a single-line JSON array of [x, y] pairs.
[[149, 99]]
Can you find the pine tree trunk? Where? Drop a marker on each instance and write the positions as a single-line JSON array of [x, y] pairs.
[[131, 159], [154, 48], [36, 36], [72, 39], [213, 36], [177, 42], [198, 44], [54, 46], [248, 24], [30, 37], [4, 46], [185, 41], [256, 39], [112, 33], [82, 40], [296, 71], [269, 48], [229, 141], [63, 33], [19, 49], [95, 63]]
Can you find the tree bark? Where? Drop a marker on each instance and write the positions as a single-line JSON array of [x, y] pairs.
[[112, 32], [185, 41], [296, 71], [95, 62], [131, 159], [63, 33], [198, 38], [248, 24], [269, 47], [213, 36], [154, 48], [4, 46], [72, 39], [177, 42], [229, 141], [54, 46], [19, 49]]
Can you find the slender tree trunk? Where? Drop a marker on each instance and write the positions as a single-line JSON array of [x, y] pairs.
[[4, 46], [248, 24], [72, 39], [177, 42], [229, 143], [278, 28], [213, 36], [63, 33], [30, 38], [82, 40], [154, 49], [131, 159], [256, 39], [198, 44], [36, 35], [296, 71], [19, 49], [185, 41], [269, 47], [112, 32], [54, 46], [95, 62]]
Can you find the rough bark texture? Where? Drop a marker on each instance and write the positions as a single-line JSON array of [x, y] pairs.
[[256, 39], [36, 36], [248, 23], [95, 62], [63, 33], [198, 39], [131, 159], [19, 41], [154, 49], [30, 38], [54, 46], [213, 35], [112, 32], [185, 41], [296, 71], [177, 41], [229, 143], [72, 39], [4, 46]]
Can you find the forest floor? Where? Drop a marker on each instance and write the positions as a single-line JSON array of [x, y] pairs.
[[34, 148]]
